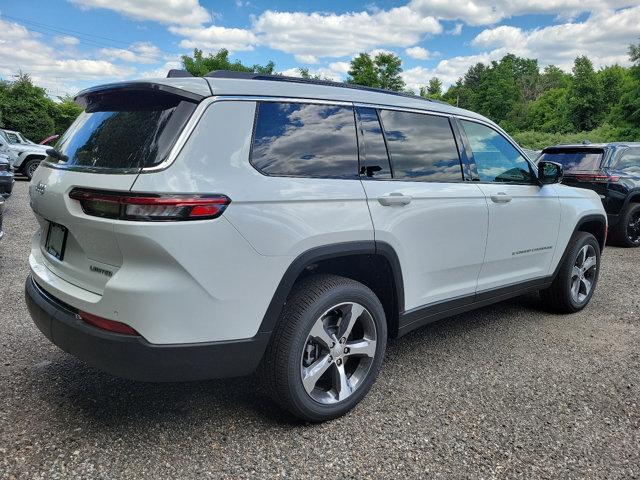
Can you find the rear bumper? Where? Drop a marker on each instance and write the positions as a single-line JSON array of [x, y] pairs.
[[135, 358]]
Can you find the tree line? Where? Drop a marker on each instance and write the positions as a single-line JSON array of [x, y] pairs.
[[538, 107]]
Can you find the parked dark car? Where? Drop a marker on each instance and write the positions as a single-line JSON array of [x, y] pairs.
[[613, 171], [6, 176]]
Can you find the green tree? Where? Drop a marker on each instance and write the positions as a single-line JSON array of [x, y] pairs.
[[27, 108], [553, 77], [634, 53], [612, 80], [585, 96], [199, 65], [433, 90], [383, 71], [548, 113]]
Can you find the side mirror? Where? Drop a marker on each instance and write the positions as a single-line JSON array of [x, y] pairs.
[[550, 172]]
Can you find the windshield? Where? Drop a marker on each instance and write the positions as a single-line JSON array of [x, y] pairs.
[[574, 160], [124, 131]]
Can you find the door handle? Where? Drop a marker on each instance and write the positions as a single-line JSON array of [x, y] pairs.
[[394, 198], [501, 197]]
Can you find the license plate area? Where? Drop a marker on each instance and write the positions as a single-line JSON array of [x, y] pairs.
[[56, 240]]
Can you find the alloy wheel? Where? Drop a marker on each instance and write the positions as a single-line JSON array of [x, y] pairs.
[[32, 169], [633, 227], [338, 353], [583, 274]]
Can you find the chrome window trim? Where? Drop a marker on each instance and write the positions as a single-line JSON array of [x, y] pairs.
[[207, 102]]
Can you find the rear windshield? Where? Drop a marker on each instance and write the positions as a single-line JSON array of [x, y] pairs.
[[124, 131], [574, 160]]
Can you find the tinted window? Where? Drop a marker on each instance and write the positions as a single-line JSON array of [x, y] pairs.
[[630, 162], [574, 160], [421, 147], [305, 140], [373, 153], [124, 131], [496, 159]]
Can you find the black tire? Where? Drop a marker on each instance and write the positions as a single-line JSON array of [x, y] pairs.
[[30, 167], [558, 296], [623, 235], [281, 369]]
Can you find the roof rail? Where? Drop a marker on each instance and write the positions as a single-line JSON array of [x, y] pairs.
[[176, 73], [311, 81]]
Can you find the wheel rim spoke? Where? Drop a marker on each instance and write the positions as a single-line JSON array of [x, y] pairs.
[[583, 254], [589, 263], [349, 320], [319, 332], [341, 383], [575, 272], [312, 373], [364, 347], [575, 289], [587, 286]]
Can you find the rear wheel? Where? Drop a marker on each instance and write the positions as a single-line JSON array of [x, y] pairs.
[[30, 167], [327, 349], [627, 231], [577, 278]]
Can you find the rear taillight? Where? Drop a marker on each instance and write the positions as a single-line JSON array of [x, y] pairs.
[[149, 207], [109, 325], [591, 177]]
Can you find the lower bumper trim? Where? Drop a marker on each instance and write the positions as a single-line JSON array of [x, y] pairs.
[[135, 358]]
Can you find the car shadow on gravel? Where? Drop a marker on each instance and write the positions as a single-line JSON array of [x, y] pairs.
[[74, 390]]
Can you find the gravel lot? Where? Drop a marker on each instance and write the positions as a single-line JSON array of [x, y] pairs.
[[508, 391]]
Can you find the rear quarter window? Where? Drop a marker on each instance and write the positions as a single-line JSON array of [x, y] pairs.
[[305, 140]]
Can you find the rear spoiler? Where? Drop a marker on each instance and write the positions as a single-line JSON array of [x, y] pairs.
[[89, 94]]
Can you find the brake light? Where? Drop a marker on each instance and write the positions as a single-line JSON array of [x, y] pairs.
[[109, 325], [599, 178], [149, 207]]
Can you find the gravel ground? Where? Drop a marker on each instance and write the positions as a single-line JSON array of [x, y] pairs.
[[508, 391]]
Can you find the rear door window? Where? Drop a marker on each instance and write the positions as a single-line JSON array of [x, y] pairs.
[[422, 147], [630, 162], [496, 159], [575, 160], [123, 131], [305, 140]]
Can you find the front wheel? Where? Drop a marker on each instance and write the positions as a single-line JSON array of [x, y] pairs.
[[327, 349], [577, 278]]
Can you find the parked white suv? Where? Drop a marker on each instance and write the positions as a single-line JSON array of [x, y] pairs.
[[25, 155], [193, 228]]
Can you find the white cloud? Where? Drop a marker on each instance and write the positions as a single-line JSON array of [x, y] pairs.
[[333, 35], [418, 53], [66, 40], [485, 12], [215, 38], [335, 71], [162, 71], [23, 50], [169, 12], [141, 52], [604, 37], [308, 59]]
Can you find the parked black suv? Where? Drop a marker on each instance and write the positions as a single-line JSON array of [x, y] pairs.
[[613, 171], [6, 176]]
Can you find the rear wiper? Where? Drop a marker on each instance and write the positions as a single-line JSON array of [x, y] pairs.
[[52, 152]]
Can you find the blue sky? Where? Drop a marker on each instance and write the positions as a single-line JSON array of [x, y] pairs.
[[67, 45]]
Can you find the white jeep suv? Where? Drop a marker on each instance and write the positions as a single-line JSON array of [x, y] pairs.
[[194, 228]]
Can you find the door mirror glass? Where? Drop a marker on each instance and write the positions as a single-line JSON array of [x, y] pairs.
[[550, 172]]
